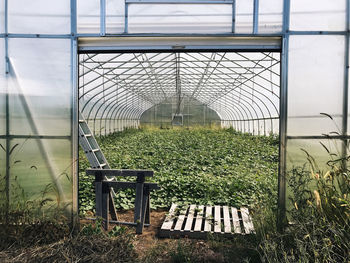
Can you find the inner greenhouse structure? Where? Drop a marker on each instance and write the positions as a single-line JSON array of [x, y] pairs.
[[257, 67], [229, 89]]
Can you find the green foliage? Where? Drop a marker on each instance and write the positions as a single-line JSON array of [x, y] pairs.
[[198, 166], [319, 216]]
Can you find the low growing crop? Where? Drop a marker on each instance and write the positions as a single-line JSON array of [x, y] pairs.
[[198, 166]]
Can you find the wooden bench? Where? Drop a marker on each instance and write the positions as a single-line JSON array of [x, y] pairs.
[[142, 200]]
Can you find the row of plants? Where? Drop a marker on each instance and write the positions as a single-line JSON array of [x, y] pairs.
[[198, 166]]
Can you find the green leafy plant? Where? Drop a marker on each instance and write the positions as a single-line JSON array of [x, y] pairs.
[[196, 166]]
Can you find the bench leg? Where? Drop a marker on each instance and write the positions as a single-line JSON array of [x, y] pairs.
[[112, 209], [98, 198], [105, 205], [147, 207], [138, 207]]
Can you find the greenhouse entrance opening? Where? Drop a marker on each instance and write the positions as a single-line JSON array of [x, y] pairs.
[[227, 98]]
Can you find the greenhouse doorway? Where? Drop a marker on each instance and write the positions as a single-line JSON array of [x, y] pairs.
[[233, 88]]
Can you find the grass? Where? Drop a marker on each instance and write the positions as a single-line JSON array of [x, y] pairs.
[[197, 166]]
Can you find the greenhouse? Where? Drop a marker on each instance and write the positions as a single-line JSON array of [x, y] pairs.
[[258, 67]]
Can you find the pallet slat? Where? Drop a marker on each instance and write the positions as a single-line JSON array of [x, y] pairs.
[[208, 219], [217, 219], [180, 219], [247, 221], [235, 221], [199, 218], [189, 220], [227, 223], [169, 220]]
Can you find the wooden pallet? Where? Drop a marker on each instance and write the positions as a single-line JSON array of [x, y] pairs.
[[197, 221]]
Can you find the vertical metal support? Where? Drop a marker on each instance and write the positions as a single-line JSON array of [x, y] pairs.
[[145, 213], [233, 16], [346, 88], [105, 205], [98, 193], [7, 112], [126, 17], [102, 17], [281, 212], [74, 114], [138, 203], [283, 136], [255, 16]]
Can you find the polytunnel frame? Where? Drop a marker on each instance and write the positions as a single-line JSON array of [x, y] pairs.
[[284, 34], [190, 65]]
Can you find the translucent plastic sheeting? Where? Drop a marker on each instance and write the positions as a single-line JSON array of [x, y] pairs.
[[270, 16], [296, 156], [2, 16], [180, 18], [314, 125], [297, 153], [315, 82], [40, 87], [88, 16], [30, 171], [244, 16], [115, 16], [3, 87], [39, 16], [317, 15]]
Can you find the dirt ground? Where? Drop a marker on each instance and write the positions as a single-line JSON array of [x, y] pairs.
[[151, 248], [149, 237]]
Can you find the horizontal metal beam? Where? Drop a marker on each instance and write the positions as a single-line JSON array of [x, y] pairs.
[[126, 35], [157, 48], [55, 137], [122, 172], [319, 137], [178, 1]]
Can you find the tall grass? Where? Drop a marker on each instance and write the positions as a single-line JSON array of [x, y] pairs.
[[319, 216]]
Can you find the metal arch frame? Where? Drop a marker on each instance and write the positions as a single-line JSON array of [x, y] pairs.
[[257, 97], [169, 69], [110, 109], [244, 83], [132, 96], [257, 115]]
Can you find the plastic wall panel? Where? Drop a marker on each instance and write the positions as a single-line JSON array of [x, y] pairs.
[[244, 16], [115, 16], [39, 16], [314, 125], [2, 16], [270, 16], [316, 82], [297, 157], [317, 15], [189, 18], [31, 172], [3, 87], [40, 79], [88, 16]]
